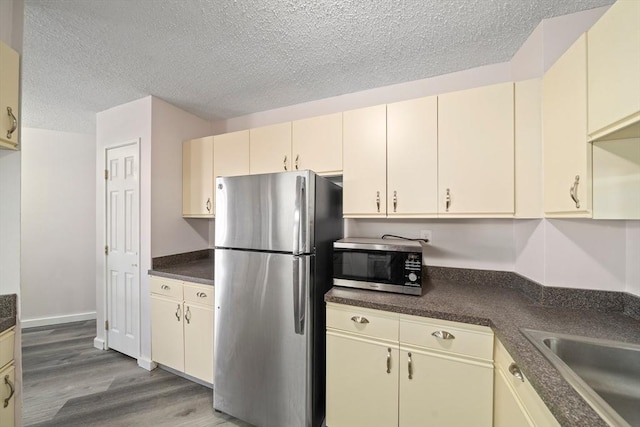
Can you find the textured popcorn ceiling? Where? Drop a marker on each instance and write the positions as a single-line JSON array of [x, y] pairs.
[[226, 58]]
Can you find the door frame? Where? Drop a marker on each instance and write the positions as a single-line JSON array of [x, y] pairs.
[[105, 291]]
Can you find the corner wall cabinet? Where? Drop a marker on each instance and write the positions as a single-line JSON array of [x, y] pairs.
[[614, 67], [7, 378], [270, 149], [317, 144], [476, 152], [567, 155], [516, 403], [365, 162], [386, 369], [197, 178], [182, 326], [9, 97], [230, 156]]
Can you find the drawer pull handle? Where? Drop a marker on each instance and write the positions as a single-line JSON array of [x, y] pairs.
[[165, 287], [12, 390], [443, 335], [201, 295], [410, 367], [360, 319], [389, 360], [516, 372]]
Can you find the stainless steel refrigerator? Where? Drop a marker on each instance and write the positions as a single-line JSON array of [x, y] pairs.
[[273, 243]]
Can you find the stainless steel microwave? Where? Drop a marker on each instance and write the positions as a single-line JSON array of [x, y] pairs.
[[390, 265]]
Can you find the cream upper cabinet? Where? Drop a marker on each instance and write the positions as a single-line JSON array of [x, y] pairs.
[[364, 161], [614, 72], [230, 155], [516, 403], [270, 149], [412, 158], [528, 148], [317, 144], [9, 97], [566, 153], [197, 178], [476, 152]]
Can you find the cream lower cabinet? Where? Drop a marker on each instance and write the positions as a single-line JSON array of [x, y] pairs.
[[7, 379], [182, 327], [416, 379], [197, 178], [516, 403], [9, 97], [317, 144], [270, 149]]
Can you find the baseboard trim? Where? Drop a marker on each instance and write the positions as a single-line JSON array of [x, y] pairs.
[[147, 364], [56, 320], [99, 343]]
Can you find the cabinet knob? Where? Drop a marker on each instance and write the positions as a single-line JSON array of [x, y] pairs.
[[360, 319], [443, 335], [378, 200], [447, 200], [178, 313], [12, 390], [573, 192], [201, 295], [516, 372], [165, 287], [14, 123], [208, 205], [389, 360], [410, 366], [187, 315], [285, 162], [395, 201], [297, 159]]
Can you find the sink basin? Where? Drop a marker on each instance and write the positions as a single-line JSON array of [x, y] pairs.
[[605, 373]]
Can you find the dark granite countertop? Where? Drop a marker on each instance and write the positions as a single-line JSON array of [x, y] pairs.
[[196, 267], [7, 311], [506, 310]]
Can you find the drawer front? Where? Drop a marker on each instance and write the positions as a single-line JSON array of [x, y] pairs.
[[362, 321], [167, 287], [7, 339], [196, 294], [451, 337], [531, 401]]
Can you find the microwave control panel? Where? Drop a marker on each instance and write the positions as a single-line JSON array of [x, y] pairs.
[[413, 269]]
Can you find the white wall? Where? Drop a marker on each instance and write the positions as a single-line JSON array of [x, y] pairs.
[[117, 126], [58, 223], [170, 233]]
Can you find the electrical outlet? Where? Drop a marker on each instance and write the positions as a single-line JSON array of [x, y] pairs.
[[425, 234]]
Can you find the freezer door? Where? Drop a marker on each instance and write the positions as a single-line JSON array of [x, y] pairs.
[[262, 371], [269, 212]]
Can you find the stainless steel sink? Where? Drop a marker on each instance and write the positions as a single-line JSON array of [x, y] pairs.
[[605, 373]]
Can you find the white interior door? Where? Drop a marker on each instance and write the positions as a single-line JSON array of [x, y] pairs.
[[123, 242]]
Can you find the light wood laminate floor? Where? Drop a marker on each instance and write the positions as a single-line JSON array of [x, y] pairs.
[[67, 382]]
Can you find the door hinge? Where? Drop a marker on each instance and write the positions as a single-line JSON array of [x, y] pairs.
[[106, 249], [106, 174], [106, 325]]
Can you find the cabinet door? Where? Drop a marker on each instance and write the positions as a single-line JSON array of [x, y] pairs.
[[566, 153], [412, 158], [362, 382], [614, 70], [8, 386], [167, 336], [507, 409], [230, 155], [317, 144], [9, 93], [198, 341], [476, 152], [444, 390], [270, 149], [365, 162], [197, 177]]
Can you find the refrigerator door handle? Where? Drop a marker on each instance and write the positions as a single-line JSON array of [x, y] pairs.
[[299, 217], [299, 293]]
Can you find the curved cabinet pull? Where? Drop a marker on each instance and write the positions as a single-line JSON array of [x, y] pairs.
[[178, 313], [187, 315], [285, 162], [165, 287], [201, 295], [447, 200], [360, 319], [14, 123], [516, 372], [443, 335], [12, 390], [297, 159], [573, 192], [378, 200], [389, 360], [410, 367], [208, 205], [395, 201]]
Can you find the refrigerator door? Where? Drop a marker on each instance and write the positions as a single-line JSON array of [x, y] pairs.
[[268, 212], [263, 340]]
